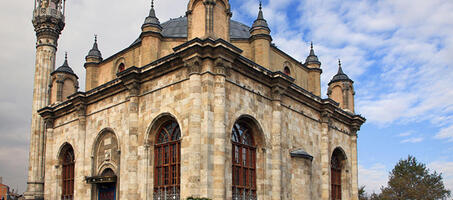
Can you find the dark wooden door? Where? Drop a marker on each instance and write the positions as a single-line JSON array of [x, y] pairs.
[[107, 191]]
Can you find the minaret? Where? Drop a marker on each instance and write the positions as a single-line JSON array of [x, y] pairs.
[[261, 40], [92, 61], [341, 90], [312, 62], [151, 37], [48, 20]]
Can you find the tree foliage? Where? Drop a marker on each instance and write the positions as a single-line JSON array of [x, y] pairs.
[[411, 180], [362, 193]]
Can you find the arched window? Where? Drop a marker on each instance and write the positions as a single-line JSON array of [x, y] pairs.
[[244, 162], [121, 67], [167, 161], [335, 174], [67, 175], [287, 71]]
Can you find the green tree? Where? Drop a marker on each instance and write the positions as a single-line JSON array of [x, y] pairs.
[[411, 180], [362, 193]]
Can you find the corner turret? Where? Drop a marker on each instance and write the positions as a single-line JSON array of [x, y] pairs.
[[261, 40], [341, 90], [209, 19], [92, 61], [312, 62], [151, 37], [152, 22], [64, 83]]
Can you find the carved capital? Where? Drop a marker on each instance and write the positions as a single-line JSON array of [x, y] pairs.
[[222, 67], [193, 65], [81, 110], [277, 93], [326, 117], [49, 122], [134, 88]]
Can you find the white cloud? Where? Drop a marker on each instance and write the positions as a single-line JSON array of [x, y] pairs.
[[373, 178], [413, 140], [445, 133], [446, 168], [405, 134]]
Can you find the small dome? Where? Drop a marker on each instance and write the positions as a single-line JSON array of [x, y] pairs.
[[340, 76], [152, 20], [94, 52], [312, 58], [177, 28], [64, 68], [260, 22]]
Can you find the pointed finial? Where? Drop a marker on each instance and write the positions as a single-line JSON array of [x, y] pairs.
[[261, 5], [95, 38], [65, 55], [339, 62], [312, 45], [152, 3]]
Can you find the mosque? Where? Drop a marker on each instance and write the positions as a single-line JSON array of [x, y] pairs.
[[199, 106]]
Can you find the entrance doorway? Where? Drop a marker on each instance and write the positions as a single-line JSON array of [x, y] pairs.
[[107, 191]]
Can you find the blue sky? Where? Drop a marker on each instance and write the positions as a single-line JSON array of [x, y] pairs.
[[399, 53]]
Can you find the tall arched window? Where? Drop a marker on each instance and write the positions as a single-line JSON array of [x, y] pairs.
[[244, 162], [167, 161], [67, 175], [335, 174], [287, 71], [121, 67]]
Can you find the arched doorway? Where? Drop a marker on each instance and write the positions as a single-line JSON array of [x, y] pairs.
[[107, 185], [106, 166]]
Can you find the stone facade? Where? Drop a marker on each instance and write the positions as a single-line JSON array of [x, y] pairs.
[[206, 82]]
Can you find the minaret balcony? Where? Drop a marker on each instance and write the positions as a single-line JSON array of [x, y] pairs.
[[48, 12]]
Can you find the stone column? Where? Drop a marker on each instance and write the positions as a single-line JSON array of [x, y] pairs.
[[191, 141], [276, 143], [325, 156]]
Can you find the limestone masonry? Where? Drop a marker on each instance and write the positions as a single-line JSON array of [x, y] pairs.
[[198, 106]]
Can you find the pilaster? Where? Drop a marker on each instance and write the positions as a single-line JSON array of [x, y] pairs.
[[276, 140], [131, 153], [191, 157], [325, 155], [220, 170]]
